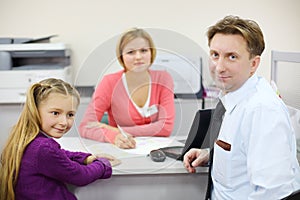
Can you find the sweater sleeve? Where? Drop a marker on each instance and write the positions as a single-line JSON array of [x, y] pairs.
[[54, 162], [76, 156], [100, 103]]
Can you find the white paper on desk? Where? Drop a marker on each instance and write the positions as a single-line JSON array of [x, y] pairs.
[[145, 144], [108, 149], [143, 147]]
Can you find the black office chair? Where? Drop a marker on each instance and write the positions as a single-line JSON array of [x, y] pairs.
[[294, 196]]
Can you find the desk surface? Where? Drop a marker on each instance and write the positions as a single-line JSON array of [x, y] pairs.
[[138, 177], [131, 163]]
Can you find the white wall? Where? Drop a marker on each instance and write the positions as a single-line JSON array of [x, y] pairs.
[[85, 25]]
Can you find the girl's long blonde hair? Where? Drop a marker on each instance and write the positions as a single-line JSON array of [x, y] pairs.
[[25, 130]]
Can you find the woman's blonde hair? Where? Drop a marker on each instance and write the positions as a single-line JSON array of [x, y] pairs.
[[26, 129], [130, 35]]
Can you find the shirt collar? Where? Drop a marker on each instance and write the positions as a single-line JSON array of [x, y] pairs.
[[43, 133], [231, 99]]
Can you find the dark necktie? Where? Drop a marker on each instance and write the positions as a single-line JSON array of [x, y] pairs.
[[213, 131]]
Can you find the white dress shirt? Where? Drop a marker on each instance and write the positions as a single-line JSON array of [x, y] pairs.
[[262, 162]]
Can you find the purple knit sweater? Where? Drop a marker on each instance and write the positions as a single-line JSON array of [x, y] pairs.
[[46, 169]]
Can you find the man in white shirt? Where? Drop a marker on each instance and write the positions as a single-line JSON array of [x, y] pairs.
[[255, 153]]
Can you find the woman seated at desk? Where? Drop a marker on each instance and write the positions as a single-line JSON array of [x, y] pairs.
[[138, 101]]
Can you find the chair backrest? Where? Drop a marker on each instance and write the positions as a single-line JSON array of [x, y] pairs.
[[196, 137], [294, 196], [104, 118]]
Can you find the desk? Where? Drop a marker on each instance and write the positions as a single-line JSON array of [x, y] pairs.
[[139, 177]]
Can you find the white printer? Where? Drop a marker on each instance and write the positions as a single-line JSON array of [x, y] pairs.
[[24, 64]]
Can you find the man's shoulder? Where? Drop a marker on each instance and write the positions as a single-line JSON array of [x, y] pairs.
[[266, 98]]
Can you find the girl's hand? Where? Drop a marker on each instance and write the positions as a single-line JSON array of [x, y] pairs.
[[113, 161], [89, 159]]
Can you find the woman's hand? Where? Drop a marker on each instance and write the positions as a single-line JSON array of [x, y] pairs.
[[121, 141], [124, 142]]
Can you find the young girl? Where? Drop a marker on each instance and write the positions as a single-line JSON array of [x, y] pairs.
[[33, 166]]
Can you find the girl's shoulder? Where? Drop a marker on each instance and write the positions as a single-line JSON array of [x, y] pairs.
[[44, 143]]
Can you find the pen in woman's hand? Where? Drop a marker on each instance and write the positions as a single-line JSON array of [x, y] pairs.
[[127, 142], [122, 132]]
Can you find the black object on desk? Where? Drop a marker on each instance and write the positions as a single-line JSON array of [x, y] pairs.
[[197, 137], [173, 151], [157, 155]]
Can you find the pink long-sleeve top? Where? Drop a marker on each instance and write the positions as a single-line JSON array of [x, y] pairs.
[[111, 96]]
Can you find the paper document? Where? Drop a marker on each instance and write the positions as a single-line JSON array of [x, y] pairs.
[[143, 147], [145, 144]]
